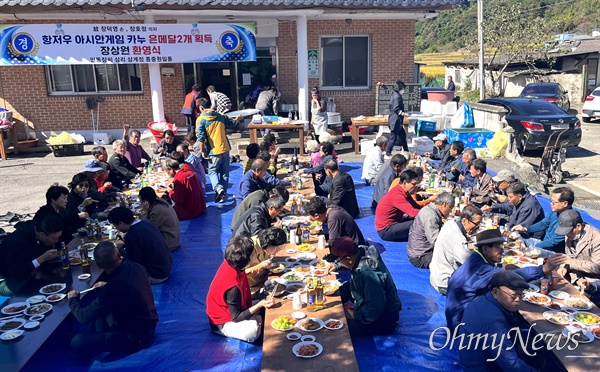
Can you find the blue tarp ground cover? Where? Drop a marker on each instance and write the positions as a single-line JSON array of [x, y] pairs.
[[183, 338]]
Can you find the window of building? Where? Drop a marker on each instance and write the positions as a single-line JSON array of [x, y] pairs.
[[345, 62], [73, 79]]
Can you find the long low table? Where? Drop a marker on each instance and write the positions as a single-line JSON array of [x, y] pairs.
[[584, 358], [297, 127], [16, 353]]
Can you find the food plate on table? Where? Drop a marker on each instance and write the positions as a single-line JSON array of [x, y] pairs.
[[86, 246], [334, 324], [537, 299], [302, 269], [582, 336], [277, 268], [53, 288], [586, 318], [292, 277], [15, 308], [293, 336], [557, 317], [290, 251], [38, 309], [283, 323], [56, 297], [320, 264], [561, 295], [270, 285], [305, 247], [10, 324], [532, 289], [311, 324], [35, 299], [298, 315], [11, 335], [307, 349], [595, 331], [31, 325], [295, 287], [555, 306], [318, 272], [578, 303], [84, 276], [36, 318], [511, 260], [306, 256], [331, 286]]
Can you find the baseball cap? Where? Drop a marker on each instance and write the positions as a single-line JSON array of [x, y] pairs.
[[92, 165], [510, 279], [487, 237], [505, 175], [440, 137], [567, 220]]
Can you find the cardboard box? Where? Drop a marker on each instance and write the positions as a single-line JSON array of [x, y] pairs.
[[471, 137], [422, 145]]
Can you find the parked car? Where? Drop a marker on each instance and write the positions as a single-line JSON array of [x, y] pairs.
[[549, 92], [591, 106], [535, 120]]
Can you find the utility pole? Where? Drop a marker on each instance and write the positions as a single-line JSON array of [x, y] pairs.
[[480, 38]]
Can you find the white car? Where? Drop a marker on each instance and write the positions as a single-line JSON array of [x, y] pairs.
[[591, 106]]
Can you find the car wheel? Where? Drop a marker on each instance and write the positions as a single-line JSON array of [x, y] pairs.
[[566, 174], [543, 179], [586, 119]]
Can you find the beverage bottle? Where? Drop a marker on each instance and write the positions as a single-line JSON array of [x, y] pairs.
[[295, 160], [89, 228], [290, 116], [320, 299], [305, 234], [294, 208], [432, 180], [64, 256], [296, 115], [299, 183], [85, 262], [311, 296], [98, 232], [298, 235], [287, 233]]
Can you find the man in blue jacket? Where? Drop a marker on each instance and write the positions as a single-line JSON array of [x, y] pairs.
[[523, 208], [471, 280], [493, 315], [252, 180], [562, 199], [384, 180]]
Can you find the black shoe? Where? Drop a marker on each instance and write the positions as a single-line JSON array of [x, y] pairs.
[[223, 198], [219, 196]]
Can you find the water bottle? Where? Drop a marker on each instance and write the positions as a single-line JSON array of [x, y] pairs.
[[290, 116]]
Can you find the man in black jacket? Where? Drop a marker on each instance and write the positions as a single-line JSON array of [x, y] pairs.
[[342, 190], [259, 217], [123, 311], [26, 249], [120, 167]]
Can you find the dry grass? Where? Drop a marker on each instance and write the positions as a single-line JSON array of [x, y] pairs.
[[433, 62]]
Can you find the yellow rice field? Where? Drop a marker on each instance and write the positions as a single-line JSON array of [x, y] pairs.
[[433, 62]]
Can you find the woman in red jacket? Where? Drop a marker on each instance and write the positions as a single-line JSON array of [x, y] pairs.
[[229, 302], [185, 191]]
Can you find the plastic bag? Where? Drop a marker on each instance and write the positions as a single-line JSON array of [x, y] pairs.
[[65, 139], [498, 144]]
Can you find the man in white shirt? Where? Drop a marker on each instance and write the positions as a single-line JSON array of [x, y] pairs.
[[374, 161]]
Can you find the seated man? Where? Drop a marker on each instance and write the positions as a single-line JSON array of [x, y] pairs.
[[501, 182], [123, 312], [451, 248], [426, 228], [321, 181], [99, 153], [582, 247], [524, 210], [135, 151], [257, 197], [120, 167], [454, 157], [252, 180], [185, 191], [342, 191], [460, 170], [56, 204], [168, 144], [388, 173], [471, 280], [336, 221], [562, 199], [26, 249], [269, 177], [493, 314], [251, 152], [259, 217], [374, 161], [482, 193], [144, 244], [375, 305], [397, 209], [441, 149]]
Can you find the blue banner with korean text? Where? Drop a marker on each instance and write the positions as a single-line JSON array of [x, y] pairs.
[[63, 44]]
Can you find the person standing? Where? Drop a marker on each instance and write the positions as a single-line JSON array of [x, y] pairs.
[[218, 101], [135, 152], [396, 118], [318, 110], [267, 102], [189, 109], [215, 146], [450, 84]]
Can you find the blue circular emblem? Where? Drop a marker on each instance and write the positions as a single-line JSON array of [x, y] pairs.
[[229, 41], [24, 43]]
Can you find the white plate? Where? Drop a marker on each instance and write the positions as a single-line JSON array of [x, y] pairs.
[[5, 309], [588, 334], [19, 320], [84, 276], [561, 295], [294, 287], [293, 336], [546, 299], [548, 316], [62, 288], [316, 262], [321, 324], [60, 297], [11, 335], [281, 330], [306, 256], [290, 251], [299, 277], [31, 325], [308, 338], [298, 315], [36, 318], [341, 324], [306, 247], [532, 289], [300, 344], [46, 307], [562, 307], [302, 269], [246, 112], [586, 305], [35, 299]]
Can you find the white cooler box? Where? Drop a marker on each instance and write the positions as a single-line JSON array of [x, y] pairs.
[[422, 145], [366, 145], [102, 138]]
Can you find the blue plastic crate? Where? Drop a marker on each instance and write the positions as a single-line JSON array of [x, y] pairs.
[[426, 126], [471, 137]]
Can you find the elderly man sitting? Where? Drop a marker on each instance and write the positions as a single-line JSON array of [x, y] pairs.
[[252, 180], [120, 166], [426, 228], [135, 151], [482, 193], [471, 279], [582, 246], [523, 208], [259, 217]]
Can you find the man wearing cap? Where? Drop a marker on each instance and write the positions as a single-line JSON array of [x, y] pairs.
[[441, 149], [562, 199], [582, 246], [374, 161], [501, 181], [471, 280], [374, 305], [493, 315]]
